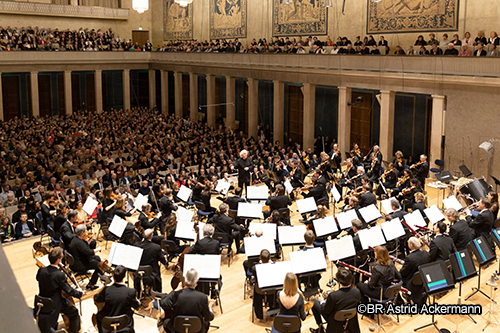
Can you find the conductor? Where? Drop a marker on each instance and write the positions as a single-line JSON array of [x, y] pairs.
[[244, 165]]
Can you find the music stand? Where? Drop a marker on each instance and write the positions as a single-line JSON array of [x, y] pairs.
[[482, 251], [308, 263], [436, 279], [495, 235], [497, 182], [463, 269], [339, 249], [336, 196], [465, 170]]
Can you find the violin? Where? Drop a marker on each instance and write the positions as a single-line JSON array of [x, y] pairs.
[[151, 215], [402, 181], [114, 196], [416, 165], [407, 190]]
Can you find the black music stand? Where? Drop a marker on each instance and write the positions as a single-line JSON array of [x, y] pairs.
[[465, 170], [463, 269], [497, 182], [436, 279], [495, 235], [482, 251]]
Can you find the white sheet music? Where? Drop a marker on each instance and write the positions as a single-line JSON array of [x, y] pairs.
[[415, 219], [338, 249], [325, 226], [393, 229], [253, 245], [272, 274], [233, 179], [386, 204], [139, 201], [126, 255], [184, 215], [292, 235], [249, 210], [452, 202], [344, 219], [370, 213], [371, 237], [184, 193], [257, 192], [434, 214], [90, 205], [268, 229], [288, 186], [306, 205], [207, 265], [185, 230], [336, 195], [222, 186], [117, 226], [308, 261]]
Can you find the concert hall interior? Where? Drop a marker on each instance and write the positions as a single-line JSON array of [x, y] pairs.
[[254, 165]]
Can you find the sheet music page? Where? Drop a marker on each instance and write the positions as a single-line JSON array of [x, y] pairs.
[[253, 245], [139, 201], [393, 229], [415, 219], [184, 215], [185, 230], [306, 205], [90, 205], [233, 179], [207, 265], [339, 249], [257, 192], [249, 210], [371, 237], [272, 274], [184, 193], [386, 204], [222, 186], [434, 214], [308, 261], [200, 229], [370, 213], [117, 226], [344, 219], [292, 234], [288, 186], [268, 229], [126, 255], [325, 226], [336, 195], [452, 202]]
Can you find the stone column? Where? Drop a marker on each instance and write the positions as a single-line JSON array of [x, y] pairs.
[[126, 89], [211, 116], [178, 94], [68, 96], [309, 91], [1, 99], [231, 103], [164, 91], [386, 140], [98, 90], [193, 96], [279, 112], [344, 124], [152, 88], [253, 106], [35, 104], [437, 130]]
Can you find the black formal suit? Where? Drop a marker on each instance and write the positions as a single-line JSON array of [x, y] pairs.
[[391, 179], [244, 175], [151, 256], [317, 192], [296, 178], [398, 214], [482, 54], [482, 224], [58, 222], [99, 186], [206, 245], [382, 277], [118, 300], [420, 206], [166, 208], [342, 299], [67, 232], [146, 223], [337, 158], [233, 202], [410, 267], [461, 234], [85, 258], [366, 199], [421, 172], [187, 302], [278, 202], [441, 247], [52, 282], [226, 225]]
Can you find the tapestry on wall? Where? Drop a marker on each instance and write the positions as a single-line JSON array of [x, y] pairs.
[[177, 21], [228, 19], [392, 16], [299, 17]]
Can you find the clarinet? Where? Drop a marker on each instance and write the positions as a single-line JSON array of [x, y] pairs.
[[365, 273], [397, 260], [415, 233]]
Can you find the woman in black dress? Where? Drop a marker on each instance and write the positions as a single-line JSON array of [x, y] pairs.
[[291, 303]]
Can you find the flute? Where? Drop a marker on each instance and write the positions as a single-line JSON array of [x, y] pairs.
[[365, 273], [415, 233], [397, 260]]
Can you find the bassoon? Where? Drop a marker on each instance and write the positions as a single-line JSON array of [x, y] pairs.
[[397, 260]]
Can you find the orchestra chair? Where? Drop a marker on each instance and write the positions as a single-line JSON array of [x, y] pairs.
[[115, 324], [106, 235], [53, 242], [169, 246], [187, 324], [156, 300], [137, 238], [61, 243], [390, 293], [70, 261], [285, 215], [224, 242], [287, 324], [269, 296], [141, 273], [202, 214], [440, 164], [42, 305], [345, 316], [249, 278], [417, 281], [42, 230]]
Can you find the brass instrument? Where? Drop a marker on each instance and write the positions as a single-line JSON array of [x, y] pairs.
[[342, 234], [327, 292], [308, 305]]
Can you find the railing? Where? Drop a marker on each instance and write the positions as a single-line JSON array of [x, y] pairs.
[[30, 8]]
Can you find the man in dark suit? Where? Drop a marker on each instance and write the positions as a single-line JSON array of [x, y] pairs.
[[187, 302], [99, 186], [150, 256], [226, 225], [483, 222], [244, 165], [206, 245], [233, 202], [367, 198], [441, 246], [24, 228], [149, 224], [317, 191], [460, 231], [84, 256], [415, 258], [397, 212], [311, 281], [295, 173], [51, 282], [118, 300], [422, 170], [68, 232], [281, 200], [167, 206], [343, 299]]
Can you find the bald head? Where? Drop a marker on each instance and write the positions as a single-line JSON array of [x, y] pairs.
[[414, 243], [148, 234], [258, 232]]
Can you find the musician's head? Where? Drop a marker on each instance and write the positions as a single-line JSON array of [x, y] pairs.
[[314, 180], [291, 284], [119, 273], [259, 232], [361, 170], [148, 234], [440, 228], [168, 192], [120, 203], [56, 255], [419, 197], [399, 153], [408, 173], [484, 203], [366, 187], [72, 214], [317, 173], [414, 243], [357, 225], [265, 256], [343, 276], [415, 182], [80, 230], [208, 230], [280, 189], [349, 160], [208, 186], [382, 255], [191, 278], [395, 204], [373, 156], [237, 191], [309, 237], [223, 208], [423, 158], [244, 154], [493, 196], [48, 195], [376, 148], [146, 208]]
